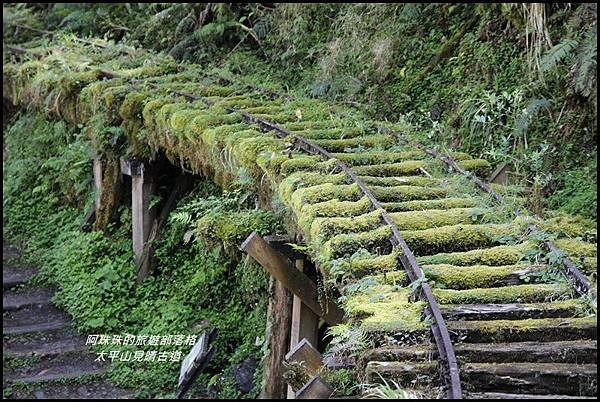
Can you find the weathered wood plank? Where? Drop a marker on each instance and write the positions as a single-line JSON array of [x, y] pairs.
[[97, 170], [182, 183], [279, 317], [298, 283], [305, 323], [142, 189], [316, 388], [500, 175], [306, 353], [540, 352], [551, 378], [508, 311]]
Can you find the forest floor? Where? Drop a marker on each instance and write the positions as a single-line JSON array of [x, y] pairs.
[[44, 358]]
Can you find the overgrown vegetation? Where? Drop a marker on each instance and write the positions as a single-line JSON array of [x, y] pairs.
[[422, 71], [514, 83], [199, 282]]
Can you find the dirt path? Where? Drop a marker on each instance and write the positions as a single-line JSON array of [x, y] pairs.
[[43, 356]]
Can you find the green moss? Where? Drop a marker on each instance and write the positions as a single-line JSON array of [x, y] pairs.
[[376, 157], [373, 265], [215, 136], [277, 118], [347, 244], [331, 208], [386, 308], [151, 109], [480, 167], [291, 165], [247, 150], [458, 237], [499, 255], [298, 180], [568, 226], [589, 265], [507, 294], [419, 220], [324, 192], [312, 125], [324, 228], [516, 326], [331, 134], [392, 169], [406, 193], [264, 109], [231, 228], [475, 276], [234, 101], [369, 141], [402, 180], [418, 205], [576, 248]]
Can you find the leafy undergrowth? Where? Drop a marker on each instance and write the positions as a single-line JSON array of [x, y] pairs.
[[200, 280], [509, 82]]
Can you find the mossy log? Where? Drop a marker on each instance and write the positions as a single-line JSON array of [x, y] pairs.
[[509, 294], [550, 378], [530, 330]]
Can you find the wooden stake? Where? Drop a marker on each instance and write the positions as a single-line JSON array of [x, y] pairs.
[[279, 316], [306, 353], [305, 323], [316, 388], [97, 168], [142, 188]]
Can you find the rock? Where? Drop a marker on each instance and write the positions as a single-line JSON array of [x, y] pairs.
[[243, 373], [82, 391]]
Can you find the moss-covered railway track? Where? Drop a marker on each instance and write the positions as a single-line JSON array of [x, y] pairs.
[[377, 217]]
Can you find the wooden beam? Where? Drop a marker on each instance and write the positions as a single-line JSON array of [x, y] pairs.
[[182, 183], [142, 189], [500, 175], [97, 169], [279, 317], [88, 219], [305, 323], [305, 352], [316, 388], [297, 282]]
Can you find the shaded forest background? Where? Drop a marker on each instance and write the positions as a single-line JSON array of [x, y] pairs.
[[509, 82]]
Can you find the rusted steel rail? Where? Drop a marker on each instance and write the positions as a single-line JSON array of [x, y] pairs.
[[578, 281], [447, 356], [440, 332]]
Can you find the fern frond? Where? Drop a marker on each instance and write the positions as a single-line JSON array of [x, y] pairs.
[[533, 107], [584, 69], [557, 53]]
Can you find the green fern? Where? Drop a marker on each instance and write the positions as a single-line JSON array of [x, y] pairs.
[[533, 107], [557, 53], [584, 69]]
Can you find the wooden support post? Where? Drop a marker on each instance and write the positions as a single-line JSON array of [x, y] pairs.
[[297, 282], [279, 316], [305, 324], [142, 189], [97, 169]]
